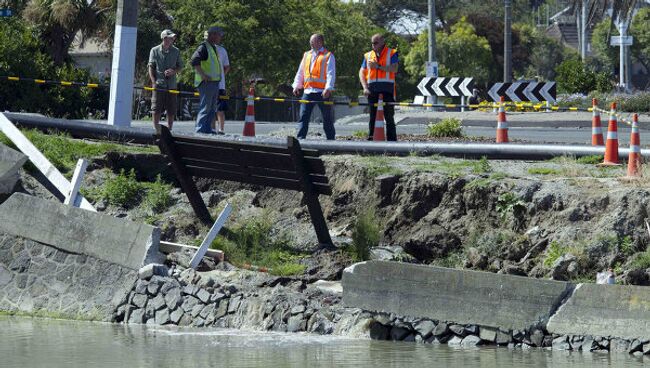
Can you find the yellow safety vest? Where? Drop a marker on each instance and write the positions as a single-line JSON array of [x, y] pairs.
[[211, 66]]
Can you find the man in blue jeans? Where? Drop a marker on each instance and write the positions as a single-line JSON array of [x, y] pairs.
[[314, 81], [207, 75]]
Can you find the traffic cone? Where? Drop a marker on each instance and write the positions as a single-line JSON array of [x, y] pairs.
[[502, 123], [634, 159], [596, 126], [249, 121], [379, 134], [611, 146]]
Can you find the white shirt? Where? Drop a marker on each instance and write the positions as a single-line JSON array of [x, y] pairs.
[[223, 60], [299, 79]]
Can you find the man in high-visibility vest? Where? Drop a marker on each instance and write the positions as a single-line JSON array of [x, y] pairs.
[[377, 76], [207, 74], [314, 81]]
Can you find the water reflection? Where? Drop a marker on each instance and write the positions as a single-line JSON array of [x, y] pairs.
[[50, 343]]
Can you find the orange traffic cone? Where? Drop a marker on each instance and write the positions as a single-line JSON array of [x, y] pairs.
[[249, 122], [634, 159], [596, 126], [502, 123], [378, 134], [611, 147]]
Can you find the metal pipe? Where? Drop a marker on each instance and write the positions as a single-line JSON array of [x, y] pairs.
[[83, 129]]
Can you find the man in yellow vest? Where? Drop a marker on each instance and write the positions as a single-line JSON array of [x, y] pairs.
[[377, 76], [314, 81], [207, 74]]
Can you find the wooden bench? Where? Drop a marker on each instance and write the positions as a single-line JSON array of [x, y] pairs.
[[289, 167]]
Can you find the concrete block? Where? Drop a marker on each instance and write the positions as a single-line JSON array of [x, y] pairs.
[[10, 162], [605, 310], [79, 231], [467, 297]]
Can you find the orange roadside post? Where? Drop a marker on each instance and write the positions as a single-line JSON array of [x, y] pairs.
[[249, 122], [378, 133], [596, 126], [634, 159], [611, 146], [502, 123]]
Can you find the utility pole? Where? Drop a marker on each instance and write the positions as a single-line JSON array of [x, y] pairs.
[[432, 64], [123, 67], [583, 30], [507, 43]]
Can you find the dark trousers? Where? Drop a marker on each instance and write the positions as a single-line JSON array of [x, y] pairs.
[[305, 114], [389, 115]]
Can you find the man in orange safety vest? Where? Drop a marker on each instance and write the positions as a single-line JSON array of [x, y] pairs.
[[377, 76], [314, 81]]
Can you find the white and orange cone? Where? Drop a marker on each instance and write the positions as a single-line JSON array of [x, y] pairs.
[[502, 123], [379, 134], [249, 122], [596, 126], [634, 159], [611, 146]]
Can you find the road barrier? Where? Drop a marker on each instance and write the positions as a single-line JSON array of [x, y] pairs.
[[634, 158], [516, 106], [596, 126], [249, 120], [502, 124], [611, 146], [379, 132]]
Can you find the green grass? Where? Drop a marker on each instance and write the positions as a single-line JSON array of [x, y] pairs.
[[64, 152], [123, 190], [360, 134], [543, 171], [640, 261], [380, 165], [157, 198], [508, 203], [365, 234], [446, 128], [250, 242], [590, 160]]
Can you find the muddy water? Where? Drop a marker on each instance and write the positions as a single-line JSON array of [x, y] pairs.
[[26, 342]]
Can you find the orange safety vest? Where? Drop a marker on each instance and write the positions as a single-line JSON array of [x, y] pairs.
[[376, 75], [316, 77]]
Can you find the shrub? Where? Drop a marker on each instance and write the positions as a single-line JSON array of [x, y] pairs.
[[122, 190], [640, 261], [365, 235], [574, 77], [448, 127], [508, 203], [157, 197]]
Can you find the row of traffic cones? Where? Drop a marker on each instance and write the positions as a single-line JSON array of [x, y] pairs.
[[611, 146]]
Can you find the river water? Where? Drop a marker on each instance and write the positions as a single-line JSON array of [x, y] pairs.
[[27, 342]]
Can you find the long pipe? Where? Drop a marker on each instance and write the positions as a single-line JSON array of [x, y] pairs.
[[81, 129]]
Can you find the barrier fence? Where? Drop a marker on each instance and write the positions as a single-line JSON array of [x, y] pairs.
[[517, 106]]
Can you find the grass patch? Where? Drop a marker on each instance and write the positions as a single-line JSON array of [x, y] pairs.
[[446, 128], [590, 160], [64, 152], [157, 198], [509, 203], [365, 235], [543, 171], [360, 134], [479, 183], [640, 261], [380, 165], [556, 250], [251, 242], [123, 190]]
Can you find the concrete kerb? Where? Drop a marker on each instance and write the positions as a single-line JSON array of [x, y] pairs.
[[78, 231], [467, 297], [10, 162]]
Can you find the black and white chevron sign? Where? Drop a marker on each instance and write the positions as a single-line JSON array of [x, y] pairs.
[[446, 87], [524, 91]]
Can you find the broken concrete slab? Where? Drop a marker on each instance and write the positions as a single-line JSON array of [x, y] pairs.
[[10, 162], [467, 297], [604, 310], [79, 231]]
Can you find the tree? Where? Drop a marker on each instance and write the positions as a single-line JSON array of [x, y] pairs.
[[58, 21], [573, 76], [460, 53], [544, 54], [640, 30], [266, 38]]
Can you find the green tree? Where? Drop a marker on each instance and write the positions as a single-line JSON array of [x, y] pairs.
[[460, 53], [640, 30], [266, 38], [59, 21], [544, 55], [573, 76]]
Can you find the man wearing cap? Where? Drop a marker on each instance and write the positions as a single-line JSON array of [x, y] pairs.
[[207, 75], [314, 81], [164, 63], [222, 104]]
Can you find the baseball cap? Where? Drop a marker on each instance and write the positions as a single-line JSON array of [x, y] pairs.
[[215, 29], [167, 33]]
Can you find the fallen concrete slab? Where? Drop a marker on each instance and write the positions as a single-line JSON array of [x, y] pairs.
[[467, 297], [604, 310], [79, 231], [10, 162]]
